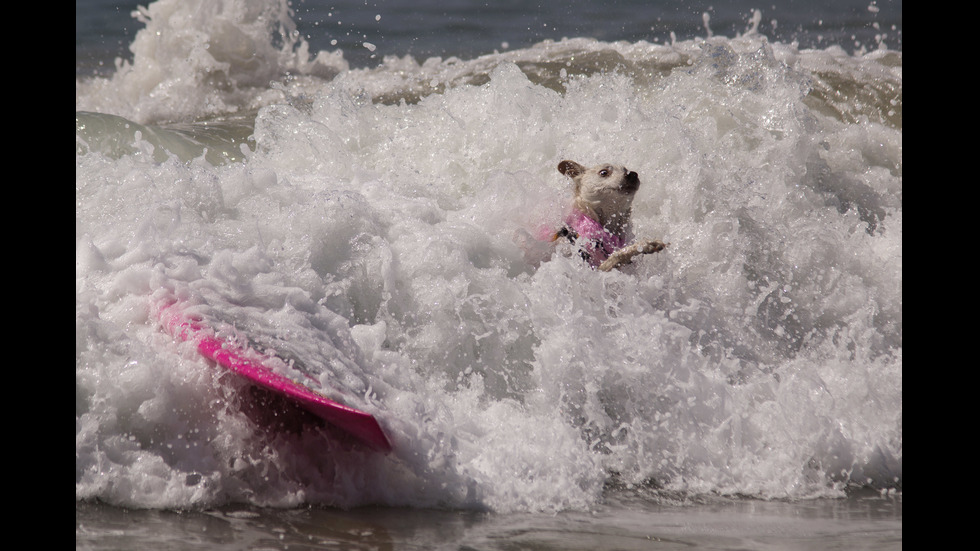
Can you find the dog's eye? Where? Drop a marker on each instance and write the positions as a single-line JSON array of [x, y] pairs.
[[604, 173]]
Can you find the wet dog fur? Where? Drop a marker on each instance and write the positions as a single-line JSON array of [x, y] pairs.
[[605, 194]]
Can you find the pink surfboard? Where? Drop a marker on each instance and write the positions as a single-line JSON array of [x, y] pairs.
[[248, 363]]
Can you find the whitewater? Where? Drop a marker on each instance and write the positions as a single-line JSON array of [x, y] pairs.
[[371, 226]]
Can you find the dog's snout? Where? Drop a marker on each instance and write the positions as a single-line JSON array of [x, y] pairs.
[[631, 181]]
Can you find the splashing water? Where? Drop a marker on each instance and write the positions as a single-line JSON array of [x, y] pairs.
[[367, 224]]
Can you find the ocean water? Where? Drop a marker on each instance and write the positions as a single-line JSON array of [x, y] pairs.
[[354, 186]]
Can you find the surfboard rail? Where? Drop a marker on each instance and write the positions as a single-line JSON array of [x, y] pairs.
[[252, 365]]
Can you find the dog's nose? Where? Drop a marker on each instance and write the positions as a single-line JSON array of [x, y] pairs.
[[631, 181]]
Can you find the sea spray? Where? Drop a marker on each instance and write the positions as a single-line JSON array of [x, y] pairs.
[[370, 231]]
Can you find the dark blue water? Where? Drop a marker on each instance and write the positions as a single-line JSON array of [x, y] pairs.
[[469, 28]]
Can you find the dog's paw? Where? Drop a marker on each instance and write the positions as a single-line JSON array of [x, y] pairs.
[[648, 246], [625, 255]]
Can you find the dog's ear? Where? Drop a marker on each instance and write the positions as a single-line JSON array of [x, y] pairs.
[[570, 168]]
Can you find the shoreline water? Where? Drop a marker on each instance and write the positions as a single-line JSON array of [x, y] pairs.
[[862, 521]]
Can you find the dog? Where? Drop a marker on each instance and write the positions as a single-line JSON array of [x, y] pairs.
[[599, 223]]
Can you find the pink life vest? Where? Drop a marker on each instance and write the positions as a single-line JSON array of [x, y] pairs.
[[595, 242]]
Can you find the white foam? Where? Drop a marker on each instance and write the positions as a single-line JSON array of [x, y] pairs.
[[375, 243]]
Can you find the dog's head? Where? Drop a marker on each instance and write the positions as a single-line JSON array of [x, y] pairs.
[[605, 192]]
